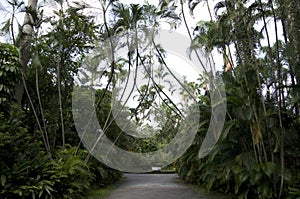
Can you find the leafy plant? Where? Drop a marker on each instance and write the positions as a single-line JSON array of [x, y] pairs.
[[9, 72]]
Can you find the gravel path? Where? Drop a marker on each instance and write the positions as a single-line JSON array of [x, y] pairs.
[[153, 186]]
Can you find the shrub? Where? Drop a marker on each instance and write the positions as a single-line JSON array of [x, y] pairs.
[[27, 171]]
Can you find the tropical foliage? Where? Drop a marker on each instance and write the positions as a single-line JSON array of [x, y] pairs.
[[254, 157], [41, 155]]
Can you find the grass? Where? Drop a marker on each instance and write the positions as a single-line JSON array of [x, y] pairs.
[[203, 191], [209, 194], [100, 193]]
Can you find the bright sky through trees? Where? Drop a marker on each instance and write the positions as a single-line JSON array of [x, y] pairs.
[[180, 65]]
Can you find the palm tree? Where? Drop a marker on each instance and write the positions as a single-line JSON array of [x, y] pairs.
[[9, 24], [23, 42]]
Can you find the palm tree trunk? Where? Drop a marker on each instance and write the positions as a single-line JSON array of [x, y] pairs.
[[23, 42], [60, 105], [42, 110], [58, 76]]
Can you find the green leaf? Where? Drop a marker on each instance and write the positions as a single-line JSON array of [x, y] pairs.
[[18, 191], [5, 27], [3, 180], [248, 112], [256, 178], [41, 192], [269, 168], [228, 128]]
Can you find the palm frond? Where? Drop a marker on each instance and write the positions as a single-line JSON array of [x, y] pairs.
[[192, 5], [13, 2], [5, 28], [218, 6]]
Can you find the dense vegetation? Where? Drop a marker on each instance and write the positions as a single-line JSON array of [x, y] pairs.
[[257, 155], [41, 155]]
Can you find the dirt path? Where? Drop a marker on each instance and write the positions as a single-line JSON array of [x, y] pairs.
[[153, 186]]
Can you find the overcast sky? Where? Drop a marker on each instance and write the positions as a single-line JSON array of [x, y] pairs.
[[200, 13]]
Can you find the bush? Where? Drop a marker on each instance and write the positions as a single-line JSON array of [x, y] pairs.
[[65, 175], [238, 174], [104, 175], [9, 73], [26, 171]]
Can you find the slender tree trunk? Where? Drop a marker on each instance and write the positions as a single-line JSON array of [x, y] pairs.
[[41, 109], [23, 42], [60, 105], [112, 69], [280, 103], [291, 8]]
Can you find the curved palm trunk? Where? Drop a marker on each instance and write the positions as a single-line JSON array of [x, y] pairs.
[[23, 42]]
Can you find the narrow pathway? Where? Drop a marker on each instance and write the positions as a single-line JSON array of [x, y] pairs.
[[153, 186]]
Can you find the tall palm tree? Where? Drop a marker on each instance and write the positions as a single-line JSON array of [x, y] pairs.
[[23, 42]]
